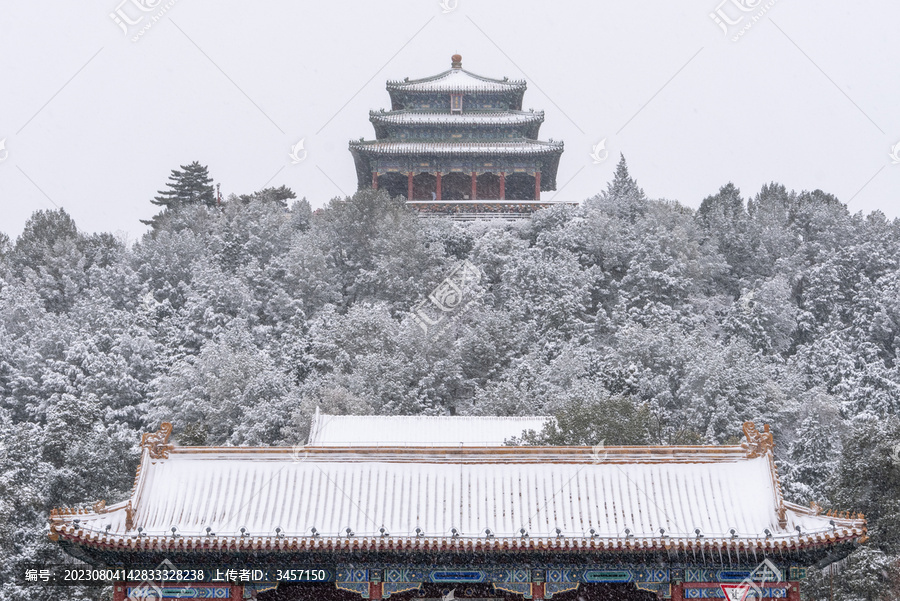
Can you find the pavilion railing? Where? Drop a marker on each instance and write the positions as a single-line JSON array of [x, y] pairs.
[[476, 216]]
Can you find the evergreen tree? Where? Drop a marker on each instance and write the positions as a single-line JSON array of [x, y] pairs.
[[623, 198], [279, 195], [591, 416], [49, 255], [811, 460], [190, 185], [623, 185]]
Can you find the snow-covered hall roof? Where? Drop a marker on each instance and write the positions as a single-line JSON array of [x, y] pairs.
[[457, 80], [521, 494], [412, 117], [495, 147], [418, 430]]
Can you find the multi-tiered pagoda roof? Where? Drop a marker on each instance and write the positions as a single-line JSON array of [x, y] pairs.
[[459, 143]]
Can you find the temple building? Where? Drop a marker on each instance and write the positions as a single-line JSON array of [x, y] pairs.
[[451, 512], [460, 144]]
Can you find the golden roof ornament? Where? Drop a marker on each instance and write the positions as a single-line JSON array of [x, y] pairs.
[[129, 517], [758, 443], [157, 443]]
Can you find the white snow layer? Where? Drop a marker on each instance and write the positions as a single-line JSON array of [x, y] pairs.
[[226, 490], [418, 430]]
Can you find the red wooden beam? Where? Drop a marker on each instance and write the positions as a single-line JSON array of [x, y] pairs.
[[474, 186], [438, 185], [375, 180], [537, 185], [409, 186]]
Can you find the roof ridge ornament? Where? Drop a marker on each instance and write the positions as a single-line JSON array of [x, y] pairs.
[[129, 517], [758, 443], [157, 443], [456, 61]]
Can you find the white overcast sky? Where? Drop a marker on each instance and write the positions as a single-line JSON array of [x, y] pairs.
[[94, 122]]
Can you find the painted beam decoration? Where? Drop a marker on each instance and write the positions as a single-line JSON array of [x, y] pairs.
[[765, 581]]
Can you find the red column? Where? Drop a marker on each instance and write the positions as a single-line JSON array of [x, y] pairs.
[[119, 591], [793, 591], [409, 185], [375, 180], [503, 185], [677, 591], [374, 591], [237, 592], [537, 185], [537, 591], [438, 184], [474, 185]]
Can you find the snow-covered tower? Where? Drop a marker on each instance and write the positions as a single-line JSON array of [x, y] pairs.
[[458, 143]]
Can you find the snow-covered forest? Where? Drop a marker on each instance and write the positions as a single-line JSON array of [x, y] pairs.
[[635, 321]]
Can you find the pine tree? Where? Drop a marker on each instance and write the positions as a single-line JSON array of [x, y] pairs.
[[278, 195], [623, 185], [191, 185], [622, 198]]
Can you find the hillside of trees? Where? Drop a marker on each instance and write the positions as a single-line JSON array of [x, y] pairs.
[[635, 321]]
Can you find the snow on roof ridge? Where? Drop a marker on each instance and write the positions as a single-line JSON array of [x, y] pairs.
[[456, 74], [495, 146], [414, 417], [411, 116]]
